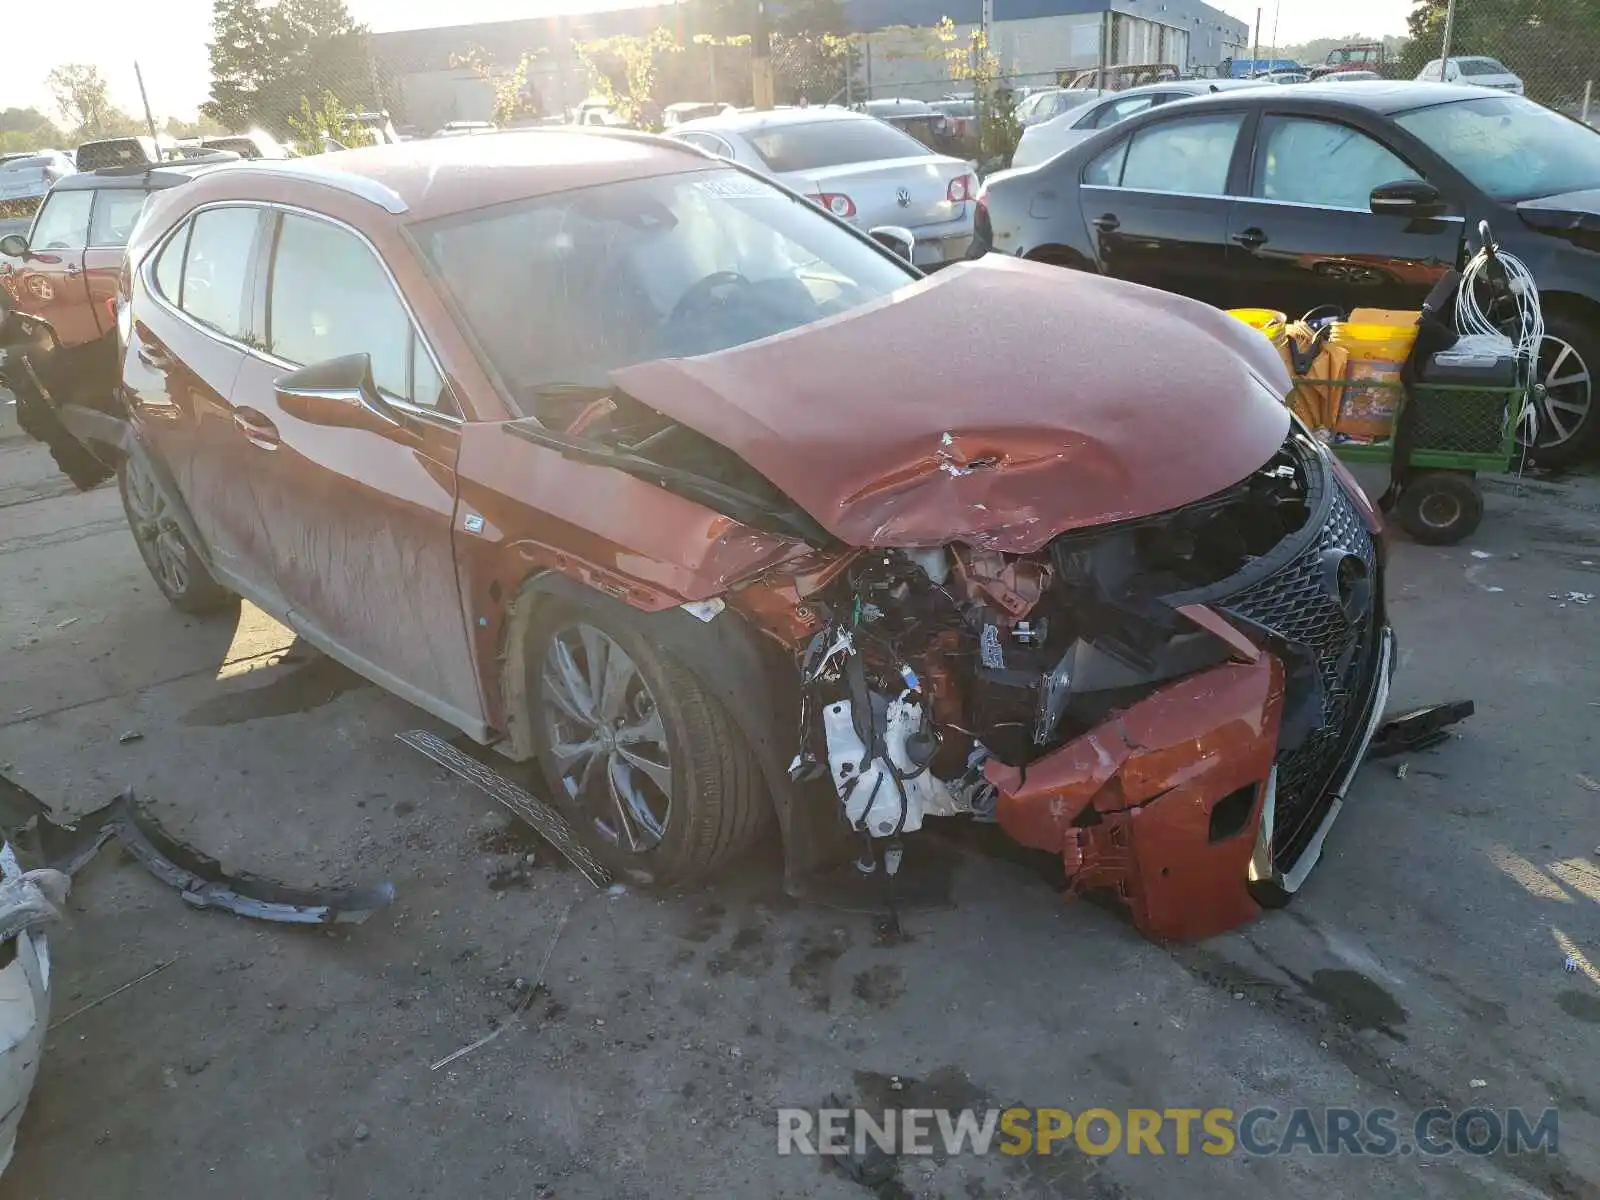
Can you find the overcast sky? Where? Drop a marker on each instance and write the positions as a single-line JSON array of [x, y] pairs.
[[171, 47]]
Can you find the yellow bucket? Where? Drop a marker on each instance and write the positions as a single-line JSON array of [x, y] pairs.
[[1372, 376], [1273, 325]]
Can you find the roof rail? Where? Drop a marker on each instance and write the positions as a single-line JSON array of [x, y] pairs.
[[360, 186]]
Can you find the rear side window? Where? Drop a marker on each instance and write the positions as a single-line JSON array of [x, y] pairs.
[[216, 268], [169, 266], [331, 297], [63, 222], [116, 212], [1190, 155], [818, 144]]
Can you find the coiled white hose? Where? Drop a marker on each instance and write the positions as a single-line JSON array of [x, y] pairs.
[[1472, 321]]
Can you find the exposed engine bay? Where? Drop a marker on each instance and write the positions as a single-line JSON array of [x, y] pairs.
[[934, 661]]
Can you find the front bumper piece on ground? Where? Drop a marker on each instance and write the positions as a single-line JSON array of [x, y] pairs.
[[1170, 804]]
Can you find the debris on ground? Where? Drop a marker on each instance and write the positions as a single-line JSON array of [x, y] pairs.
[[1571, 965], [133, 735], [1572, 598], [522, 1005], [1587, 784], [198, 877], [1418, 729], [117, 991], [510, 871], [1400, 771], [546, 821]]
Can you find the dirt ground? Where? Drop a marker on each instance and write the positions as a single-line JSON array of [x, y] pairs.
[[1422, 965]]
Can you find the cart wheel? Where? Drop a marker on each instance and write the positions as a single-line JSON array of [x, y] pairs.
[[1440, 508]]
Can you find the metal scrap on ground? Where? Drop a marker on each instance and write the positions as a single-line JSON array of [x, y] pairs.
[[549, 823]]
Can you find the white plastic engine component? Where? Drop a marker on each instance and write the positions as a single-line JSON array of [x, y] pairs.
[[874, 800]]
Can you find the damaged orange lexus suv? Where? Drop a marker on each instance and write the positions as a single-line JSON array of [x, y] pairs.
[[653, 473]]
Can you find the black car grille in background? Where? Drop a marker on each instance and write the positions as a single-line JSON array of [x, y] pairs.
[[1297, 604]]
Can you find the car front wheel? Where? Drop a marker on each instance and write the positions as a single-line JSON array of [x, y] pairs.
[[1564, 405], [649, 765], [173, 563]]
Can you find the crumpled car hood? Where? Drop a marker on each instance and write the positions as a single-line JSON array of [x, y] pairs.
[[997, 403]]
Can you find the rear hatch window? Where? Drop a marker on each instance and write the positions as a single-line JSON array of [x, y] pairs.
[[818, 144]]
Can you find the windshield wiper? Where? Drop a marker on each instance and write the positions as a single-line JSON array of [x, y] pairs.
[[730, 501]]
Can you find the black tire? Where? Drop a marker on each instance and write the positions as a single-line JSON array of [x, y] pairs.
[[1439, 508], [173, 563], [1571, 352], [718, 806]]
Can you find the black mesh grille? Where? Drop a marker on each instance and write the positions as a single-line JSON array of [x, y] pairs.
[[1296, 603]]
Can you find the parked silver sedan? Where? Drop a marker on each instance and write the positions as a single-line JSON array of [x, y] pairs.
[[857, 167]]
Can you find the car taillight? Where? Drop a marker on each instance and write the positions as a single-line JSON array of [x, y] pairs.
[[960, 189], [837, 203]]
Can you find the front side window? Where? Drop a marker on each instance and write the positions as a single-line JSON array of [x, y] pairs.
[[63, 222], [1511, 148], [565, 289], [1322, 163], [817, 144], [216, 267], [331, 297], [116, 212], [1189, 155]]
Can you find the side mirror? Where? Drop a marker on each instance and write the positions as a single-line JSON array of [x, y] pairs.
[[898, 238], [1407, 198], [14, 245], [338, 392]]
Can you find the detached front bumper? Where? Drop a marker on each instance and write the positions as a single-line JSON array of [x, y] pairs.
[[1171, 804]]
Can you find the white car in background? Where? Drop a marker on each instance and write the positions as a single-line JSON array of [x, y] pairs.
[[1045, 141], [1049, 103], [859, 168], [1478, 70], [26, 180]]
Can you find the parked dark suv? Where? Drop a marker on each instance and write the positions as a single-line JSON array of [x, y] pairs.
[[1348, 194], [58, 321]]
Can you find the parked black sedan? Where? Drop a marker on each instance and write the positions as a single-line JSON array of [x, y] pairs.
[[1348, 194]]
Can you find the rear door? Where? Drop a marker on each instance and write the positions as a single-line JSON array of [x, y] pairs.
[[359, 521], [1156, 205], [111, 221], [49, 283], [1304, 233], [184, 350]]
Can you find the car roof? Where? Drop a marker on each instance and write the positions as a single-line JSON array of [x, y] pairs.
[[161, 175], [774, 118], [1382, 96], [435, 177]]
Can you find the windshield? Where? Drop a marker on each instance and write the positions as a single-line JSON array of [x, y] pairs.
[[1480, 66], [817, 144], [1511, 148], [563, 290]]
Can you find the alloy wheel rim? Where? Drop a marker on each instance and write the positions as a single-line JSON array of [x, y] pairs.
[[160, 540], [606, 737], [1564, 392]]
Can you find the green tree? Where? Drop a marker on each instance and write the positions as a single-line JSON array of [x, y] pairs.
[[1549, 43], [266, 57], [84, 101], [314, 128], [28, 129]]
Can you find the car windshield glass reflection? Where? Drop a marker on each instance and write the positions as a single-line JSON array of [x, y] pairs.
[[567, 288], [1512, 148]]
